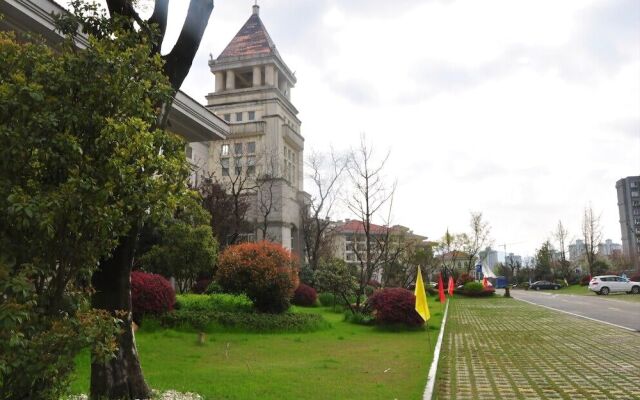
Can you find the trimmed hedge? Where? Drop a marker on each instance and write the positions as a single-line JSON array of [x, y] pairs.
[[215, 302], [305, 296], [243, 322], [463, 279], [151, 294], [475, 289], [395, 306]]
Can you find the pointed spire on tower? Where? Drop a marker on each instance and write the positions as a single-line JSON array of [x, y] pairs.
[[256, 8]]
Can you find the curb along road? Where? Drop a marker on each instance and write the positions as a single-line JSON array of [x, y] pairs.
[[431, 378]]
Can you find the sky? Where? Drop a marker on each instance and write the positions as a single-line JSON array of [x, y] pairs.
[[527, 111]]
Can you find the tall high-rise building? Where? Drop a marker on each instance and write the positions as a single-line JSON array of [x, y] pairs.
[[629, 206], [264, 150]]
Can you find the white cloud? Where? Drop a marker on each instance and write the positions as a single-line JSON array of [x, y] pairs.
[[525, 110]]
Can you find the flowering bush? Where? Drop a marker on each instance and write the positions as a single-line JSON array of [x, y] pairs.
[[264, 271], [305, 296], [150, 294], [395, 306]]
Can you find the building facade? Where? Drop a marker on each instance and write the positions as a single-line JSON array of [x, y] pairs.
[[577, 250], [349, 241], [608, 248], [264, 149], [628, 190]]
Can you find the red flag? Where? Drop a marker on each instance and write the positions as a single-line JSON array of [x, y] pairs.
[[485, 282], [441, 289], [451, 286]]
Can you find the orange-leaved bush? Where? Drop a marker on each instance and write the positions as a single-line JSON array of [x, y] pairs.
[[264, 271]]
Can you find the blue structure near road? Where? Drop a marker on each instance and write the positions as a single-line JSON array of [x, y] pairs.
[[501, 282], [479, 275]]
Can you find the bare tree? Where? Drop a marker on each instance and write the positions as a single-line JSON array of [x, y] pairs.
[[241, 186], [560, 235], [477, 240], [370, 194], [449, 252], [228, 212], [267, 201], [316, 215], [592, 234]]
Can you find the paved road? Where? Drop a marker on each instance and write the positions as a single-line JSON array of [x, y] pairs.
[[617, 312]]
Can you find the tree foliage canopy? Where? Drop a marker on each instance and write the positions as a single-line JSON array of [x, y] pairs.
[[79, 160]]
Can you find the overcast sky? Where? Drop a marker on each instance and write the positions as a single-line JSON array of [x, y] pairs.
[[525, 110]]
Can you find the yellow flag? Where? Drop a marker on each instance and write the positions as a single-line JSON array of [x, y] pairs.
[[421, 298]]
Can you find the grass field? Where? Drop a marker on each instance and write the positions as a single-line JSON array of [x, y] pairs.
[[584, 291], [345, 361]]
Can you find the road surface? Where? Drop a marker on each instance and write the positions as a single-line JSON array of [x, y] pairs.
[[616, 312]]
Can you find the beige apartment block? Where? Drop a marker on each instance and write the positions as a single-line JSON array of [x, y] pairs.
[[264, 148]]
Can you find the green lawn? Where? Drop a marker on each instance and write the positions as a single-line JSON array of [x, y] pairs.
[[345, 361], [584, 291]]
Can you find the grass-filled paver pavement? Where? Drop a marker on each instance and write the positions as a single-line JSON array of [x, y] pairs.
[[501, 348]]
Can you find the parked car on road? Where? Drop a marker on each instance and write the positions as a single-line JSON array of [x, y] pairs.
[[605, 284], [539, 285]]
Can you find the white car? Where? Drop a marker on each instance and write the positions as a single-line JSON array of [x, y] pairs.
[[606, 284]]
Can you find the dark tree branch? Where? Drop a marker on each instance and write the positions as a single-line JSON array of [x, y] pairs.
[[159, 18], [179, 60]]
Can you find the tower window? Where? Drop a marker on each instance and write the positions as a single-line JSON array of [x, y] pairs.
[[239, 117], [225, 166], [252, 115], [251, 148], [237, 149], [227, 117], [189, 152], [238, 165], [224, 151]]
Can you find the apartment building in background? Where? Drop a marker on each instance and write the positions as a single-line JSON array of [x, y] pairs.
[[628, 190], [349, 241]]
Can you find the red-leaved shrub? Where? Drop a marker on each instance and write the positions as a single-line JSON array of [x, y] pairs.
[[264, 271], [395, 306], [150, 294], [635, 278], [305, 296], [584, 281]]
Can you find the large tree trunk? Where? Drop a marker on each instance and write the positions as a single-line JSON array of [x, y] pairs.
[[121, 377]]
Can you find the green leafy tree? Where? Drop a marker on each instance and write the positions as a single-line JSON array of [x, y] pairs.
[[335, 276], [186, 247], [122, 376], [542, 269], [80, 159]]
